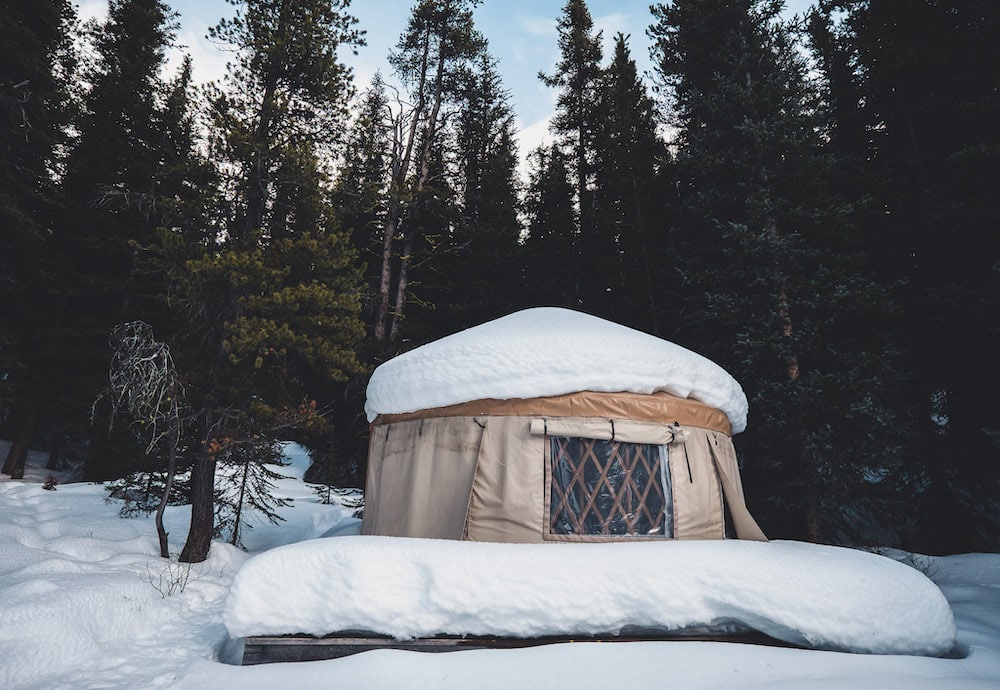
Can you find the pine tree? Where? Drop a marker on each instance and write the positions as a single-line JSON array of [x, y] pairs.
[[270, 312], [112, 173], [476, 277], [359, 193], [552, 261], [439, 41], [630, 213], [110, 191], [287, 87], [578, 75], [775, 291], [107, 191], [268, 329], [186, 182], [359, 196], [245, 487], [433, 217], [921, 135], [36, 66]]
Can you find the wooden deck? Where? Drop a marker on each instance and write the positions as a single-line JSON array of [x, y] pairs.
[[273, 649]]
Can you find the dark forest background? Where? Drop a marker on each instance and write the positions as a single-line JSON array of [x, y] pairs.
[[814, 204]]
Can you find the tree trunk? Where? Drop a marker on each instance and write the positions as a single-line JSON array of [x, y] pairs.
[[791, 359], [199, 539], [161, 532], [18, 453], [810, 514], [644, 258], [397, 313], [57, 454], [235, 538], [95, 458], [385, 280], [813, 531], [24, 429], [400, 171], [258, 174], [425, 173]]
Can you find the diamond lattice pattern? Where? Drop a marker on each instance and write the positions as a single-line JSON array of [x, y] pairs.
[[605, 488]]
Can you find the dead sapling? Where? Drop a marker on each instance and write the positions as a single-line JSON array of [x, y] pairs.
[[143, 387]]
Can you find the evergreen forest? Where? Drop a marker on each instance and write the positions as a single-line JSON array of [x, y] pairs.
[[812, 202]]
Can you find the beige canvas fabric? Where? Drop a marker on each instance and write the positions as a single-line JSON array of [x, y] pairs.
[[606, 429], [420, 476], [698, 512], [660, 408], [728, 468], [508, 492], [483, 477]]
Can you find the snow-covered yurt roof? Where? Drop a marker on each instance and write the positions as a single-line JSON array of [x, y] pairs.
[[547, 351]]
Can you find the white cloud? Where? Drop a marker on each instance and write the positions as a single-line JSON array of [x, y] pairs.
[[611, 24], [537, 26], [92, 9], [208, 61], [634, 28], [530, 137]]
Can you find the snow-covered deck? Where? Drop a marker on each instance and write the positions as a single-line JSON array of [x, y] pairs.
[[270, 649], [812, 596]]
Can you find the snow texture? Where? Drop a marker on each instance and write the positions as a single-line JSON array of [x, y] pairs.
[[79, 608], [85, 599], [548, 351], [816, 596]]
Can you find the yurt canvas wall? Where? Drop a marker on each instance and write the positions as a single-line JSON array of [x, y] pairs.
[[519, 471], [572, 464]]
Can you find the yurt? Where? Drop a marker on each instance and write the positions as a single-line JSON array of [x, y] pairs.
[[552, 425]]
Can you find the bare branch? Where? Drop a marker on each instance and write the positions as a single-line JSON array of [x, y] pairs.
[[143, 383]]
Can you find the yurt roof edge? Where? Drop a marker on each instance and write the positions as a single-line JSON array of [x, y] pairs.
[[543, 352]]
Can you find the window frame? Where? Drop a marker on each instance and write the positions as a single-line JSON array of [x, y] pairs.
[[659, 466]]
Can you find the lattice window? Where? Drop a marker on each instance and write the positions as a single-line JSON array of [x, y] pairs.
[[608, 488]]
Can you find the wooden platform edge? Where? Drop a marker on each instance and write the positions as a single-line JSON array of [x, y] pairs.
[[283, 648]]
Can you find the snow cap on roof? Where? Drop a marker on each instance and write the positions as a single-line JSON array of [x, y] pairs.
[[548, 351]]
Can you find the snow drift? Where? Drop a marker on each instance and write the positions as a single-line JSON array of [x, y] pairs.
[[816, 596], [548, 351], [77, 610]]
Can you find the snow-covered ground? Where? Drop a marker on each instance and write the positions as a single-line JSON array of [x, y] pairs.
[[86, 603]]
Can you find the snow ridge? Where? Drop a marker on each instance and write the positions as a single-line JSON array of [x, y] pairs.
[[816, 596]]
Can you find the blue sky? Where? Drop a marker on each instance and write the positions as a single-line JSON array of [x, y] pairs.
[[521, 33]]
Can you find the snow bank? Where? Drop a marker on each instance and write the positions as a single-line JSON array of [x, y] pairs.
[[305, 517], [86, 601], [548, 351], [816, 596], [82, 589], [78, 610]]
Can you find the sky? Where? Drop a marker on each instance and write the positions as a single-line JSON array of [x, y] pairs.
[[521, 34]]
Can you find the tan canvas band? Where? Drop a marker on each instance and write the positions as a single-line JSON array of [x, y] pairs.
[[659, 408]]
